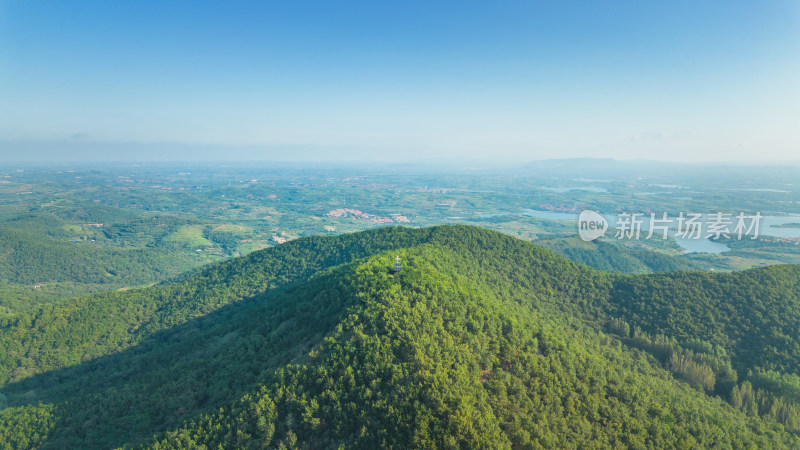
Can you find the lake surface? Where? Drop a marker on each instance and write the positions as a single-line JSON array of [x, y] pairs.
[[767, 227], [763, 190]]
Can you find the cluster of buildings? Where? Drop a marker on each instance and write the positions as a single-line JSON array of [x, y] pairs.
[[561, 208], [428, 191], [356, 214]]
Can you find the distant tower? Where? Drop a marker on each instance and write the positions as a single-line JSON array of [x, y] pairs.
[[397, 265]]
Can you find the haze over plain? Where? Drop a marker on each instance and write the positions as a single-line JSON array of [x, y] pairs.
[[516, 81]]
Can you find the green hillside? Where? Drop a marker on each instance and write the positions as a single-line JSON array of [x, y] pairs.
[[480, 341], [617, 258], [36, 270], [67, 249], [30, 259], [48, 257]]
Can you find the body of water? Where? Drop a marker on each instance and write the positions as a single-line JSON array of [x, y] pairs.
[[763, 190], [767, 227]]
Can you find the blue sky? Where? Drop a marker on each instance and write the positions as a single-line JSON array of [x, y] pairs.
[[677, 80]]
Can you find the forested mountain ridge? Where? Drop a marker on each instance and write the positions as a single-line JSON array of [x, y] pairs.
[[55, 253], [56, 335], [616, 258], [61, 261], [45, 258], [481, 340]]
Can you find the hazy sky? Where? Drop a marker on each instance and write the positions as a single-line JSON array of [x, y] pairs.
[[675, 80]]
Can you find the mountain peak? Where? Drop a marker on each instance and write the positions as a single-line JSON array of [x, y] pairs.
[[481, 340]]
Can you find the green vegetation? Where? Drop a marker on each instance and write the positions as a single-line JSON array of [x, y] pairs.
[[31, 260], [613, 257], [45, 259], [189, 235], [227, 211], [481, 340]]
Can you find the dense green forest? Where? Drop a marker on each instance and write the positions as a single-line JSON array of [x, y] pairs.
[[82, 248], [616, 257], [481, 340], [49, 257], [30, 259]]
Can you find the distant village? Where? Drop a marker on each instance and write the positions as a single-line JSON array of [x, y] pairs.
[[360, 215]]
